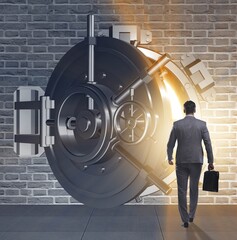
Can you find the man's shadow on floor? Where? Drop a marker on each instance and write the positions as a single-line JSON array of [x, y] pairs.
[[198, 233]]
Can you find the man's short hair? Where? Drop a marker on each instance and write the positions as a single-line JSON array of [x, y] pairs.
[[189, 107]]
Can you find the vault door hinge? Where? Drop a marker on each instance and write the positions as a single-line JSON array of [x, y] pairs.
[[32, 113]]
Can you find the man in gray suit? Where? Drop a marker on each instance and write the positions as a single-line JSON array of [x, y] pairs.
[[189, 133]]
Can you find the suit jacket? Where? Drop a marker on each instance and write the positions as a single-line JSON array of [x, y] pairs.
[[189, 133]]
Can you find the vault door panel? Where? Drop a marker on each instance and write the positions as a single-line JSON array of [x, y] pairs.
[[86, 165]]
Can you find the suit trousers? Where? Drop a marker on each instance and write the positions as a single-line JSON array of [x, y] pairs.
[[185, 171]]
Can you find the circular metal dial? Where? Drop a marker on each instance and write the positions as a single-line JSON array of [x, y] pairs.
[[82, 131], [131, 122]]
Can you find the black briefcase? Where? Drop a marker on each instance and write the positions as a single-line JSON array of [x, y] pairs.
[[211, 181]]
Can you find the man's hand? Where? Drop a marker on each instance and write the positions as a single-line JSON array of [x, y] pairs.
[[171, 162], [210, 166]]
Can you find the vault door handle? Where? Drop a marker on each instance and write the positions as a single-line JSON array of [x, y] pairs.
[[151, 176]]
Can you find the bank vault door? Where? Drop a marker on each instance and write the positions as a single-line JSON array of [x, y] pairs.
[[103, 120]]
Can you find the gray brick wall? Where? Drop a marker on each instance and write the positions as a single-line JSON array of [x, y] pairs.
[[35, 34]]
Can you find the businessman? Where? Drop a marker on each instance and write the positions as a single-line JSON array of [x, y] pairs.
[[189, 133]]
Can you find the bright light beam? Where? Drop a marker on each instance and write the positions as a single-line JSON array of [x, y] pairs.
[[176, 106]]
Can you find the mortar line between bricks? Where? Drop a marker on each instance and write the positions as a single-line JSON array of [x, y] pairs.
[[87, 223]]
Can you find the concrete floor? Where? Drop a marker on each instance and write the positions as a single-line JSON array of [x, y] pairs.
[[122, 223]]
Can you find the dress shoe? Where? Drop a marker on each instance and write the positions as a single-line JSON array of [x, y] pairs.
[[190, 219], [186, 225]]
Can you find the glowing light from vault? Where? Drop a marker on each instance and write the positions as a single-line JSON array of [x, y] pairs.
[[176, 106]]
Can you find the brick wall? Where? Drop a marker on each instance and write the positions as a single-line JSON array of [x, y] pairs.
[[34, 34]]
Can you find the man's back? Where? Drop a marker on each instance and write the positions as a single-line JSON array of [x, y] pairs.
[[189, 133]]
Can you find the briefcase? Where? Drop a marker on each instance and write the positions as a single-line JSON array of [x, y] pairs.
[[211, 181]]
